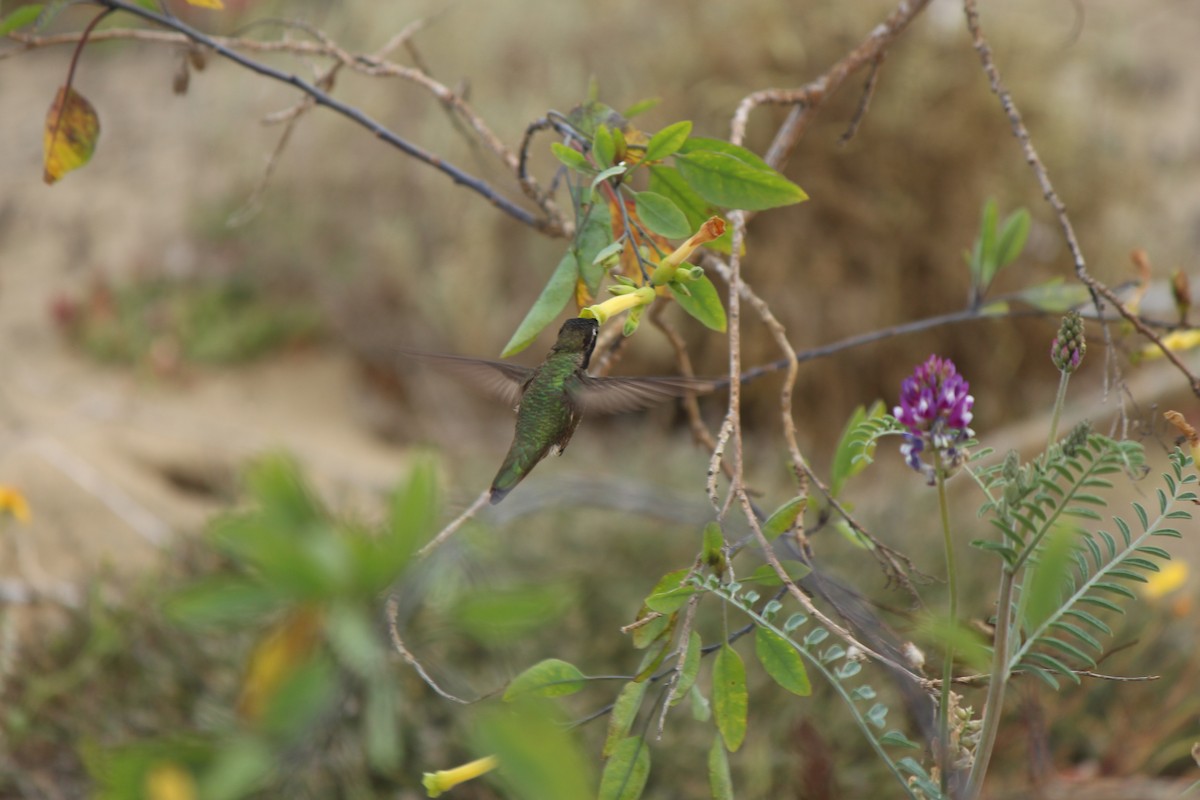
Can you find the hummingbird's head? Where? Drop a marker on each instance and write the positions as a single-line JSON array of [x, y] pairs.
[[578, 335]]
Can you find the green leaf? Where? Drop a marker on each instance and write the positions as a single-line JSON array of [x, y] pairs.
[[412, 515], [662, 216], [714, 546], [701, 708], [572, 158], [782, 661], [898, 739], [670, 600], [730, 182], [625, 774], [27, 15], [691, 668], [555, 295], [1045, 580], [670, 184], [381, 731], [783, 518], [641, 107], [1054, 296], [241, 768], [655, 656], [854, 451], [604, 150], [594, 235], [986, 246], [539, 758], [698, 144], [500, 615], [765, 574], [356, 640], [730, 697], [624, 711], [611, 172], [668, 141], [645, 635], [1012, 239], [550, 678], [718, 771], [307, 694], [222, 601], [702, 302]]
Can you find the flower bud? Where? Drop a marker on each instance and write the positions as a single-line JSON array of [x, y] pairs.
[[1069, 346]]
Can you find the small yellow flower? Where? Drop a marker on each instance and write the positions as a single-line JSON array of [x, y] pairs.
[[602, 312], [444, 780], [14, 503], [168, 781], [1161, 584]]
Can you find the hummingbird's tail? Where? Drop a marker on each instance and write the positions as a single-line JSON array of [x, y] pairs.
[[507, 477]]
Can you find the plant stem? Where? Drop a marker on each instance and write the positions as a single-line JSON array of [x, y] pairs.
[[1064, 377], [996, 685], [948, 664]]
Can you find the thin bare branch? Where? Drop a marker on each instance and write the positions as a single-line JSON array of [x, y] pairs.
[[229, 47], [808, 98], [1098, 289]]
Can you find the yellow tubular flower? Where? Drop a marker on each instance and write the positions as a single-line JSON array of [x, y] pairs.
[[444, 780], [603, 312]]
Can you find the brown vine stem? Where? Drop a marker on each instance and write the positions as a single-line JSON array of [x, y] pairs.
[[1097, 288]]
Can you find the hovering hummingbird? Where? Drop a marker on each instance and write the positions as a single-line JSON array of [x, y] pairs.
[[552, 397]]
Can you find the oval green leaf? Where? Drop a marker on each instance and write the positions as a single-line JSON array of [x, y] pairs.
[[691, 668], [662, 216], [730, 697], [783, 518], [550, 678], [671, 600], [765, 575], [26, 15], [603, 147], [625, 774], [624, 710], [222, 601], [668, 141], [554, 297], [571, 157], [718, 771], [730, 182], [1013, 236], [782, 662], [701, 300], [705, 143], [670, 184]]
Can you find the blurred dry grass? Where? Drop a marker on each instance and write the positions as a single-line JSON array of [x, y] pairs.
[[383, 244]]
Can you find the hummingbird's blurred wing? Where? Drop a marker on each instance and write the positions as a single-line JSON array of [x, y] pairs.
[[500, 379], [614, 395]]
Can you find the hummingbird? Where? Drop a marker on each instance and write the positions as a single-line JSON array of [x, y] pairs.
[[551, 398]]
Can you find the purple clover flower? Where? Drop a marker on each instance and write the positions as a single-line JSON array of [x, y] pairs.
[[935, 406]]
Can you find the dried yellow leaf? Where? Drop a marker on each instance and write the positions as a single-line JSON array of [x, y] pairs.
[[71, 131]]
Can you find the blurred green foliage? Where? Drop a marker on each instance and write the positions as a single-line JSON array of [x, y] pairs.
[[158, 321]]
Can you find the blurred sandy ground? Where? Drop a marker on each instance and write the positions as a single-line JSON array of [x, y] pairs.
[[118, 463]]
